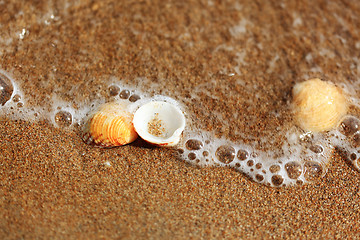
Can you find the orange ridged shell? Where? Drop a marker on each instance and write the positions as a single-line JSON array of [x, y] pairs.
[[318, 105], [110, 126]]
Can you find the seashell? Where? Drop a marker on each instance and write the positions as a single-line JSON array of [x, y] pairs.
[[318, 105], [160, 123], [110, 126]]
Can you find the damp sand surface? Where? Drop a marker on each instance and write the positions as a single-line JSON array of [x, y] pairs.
[[238, 60], [54, 186]]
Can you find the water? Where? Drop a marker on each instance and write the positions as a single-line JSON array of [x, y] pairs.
[[304, 156], [234, 84]]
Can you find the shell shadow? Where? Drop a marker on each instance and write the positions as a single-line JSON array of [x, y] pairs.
[[141, 143]]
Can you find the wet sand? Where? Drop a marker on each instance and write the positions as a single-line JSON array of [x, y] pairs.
[[53, 186]]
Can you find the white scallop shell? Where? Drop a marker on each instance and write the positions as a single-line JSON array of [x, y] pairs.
[[160, 123]]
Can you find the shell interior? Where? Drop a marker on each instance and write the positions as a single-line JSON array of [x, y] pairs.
[[159, 123]]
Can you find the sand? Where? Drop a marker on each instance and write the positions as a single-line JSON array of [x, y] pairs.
[[236, 58]]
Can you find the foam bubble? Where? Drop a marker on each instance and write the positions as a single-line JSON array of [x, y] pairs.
[[124, 94], [134, 98], [13, 104], [114, 90], [63, 118], [348, 139]]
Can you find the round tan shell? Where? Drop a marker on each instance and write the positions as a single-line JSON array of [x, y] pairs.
[[318, 105], [110, 126]]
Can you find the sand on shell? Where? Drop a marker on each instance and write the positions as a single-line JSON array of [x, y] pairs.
[[53, 186]]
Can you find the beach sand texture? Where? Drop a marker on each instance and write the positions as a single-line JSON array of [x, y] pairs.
[[231, 64]]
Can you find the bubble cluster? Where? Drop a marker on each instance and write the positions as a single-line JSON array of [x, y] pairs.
[[349, 128], [305, 157], [60, 113], [118, 92], [11, 100]]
